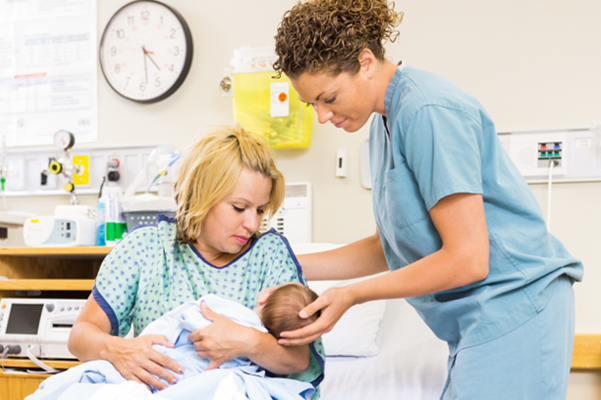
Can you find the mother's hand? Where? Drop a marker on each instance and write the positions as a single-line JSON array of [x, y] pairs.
[[333, 303], [221, 341], [136, 360]]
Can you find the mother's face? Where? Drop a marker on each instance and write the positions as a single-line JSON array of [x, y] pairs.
[[344, 100], [231, 222]]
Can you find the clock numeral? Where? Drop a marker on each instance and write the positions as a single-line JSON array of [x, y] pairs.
[[130, 19], [176, 51], [161, 20], [120, 34], [126, 80], [171, 68], [157, 82], [113, 51], [172, 33], [145, 15], [142, 87], [117, 68]]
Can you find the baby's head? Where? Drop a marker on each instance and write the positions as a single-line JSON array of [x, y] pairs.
[[280, 312]]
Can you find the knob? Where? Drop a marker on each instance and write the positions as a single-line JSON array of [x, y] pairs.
[[226, 84], [55, 167], [113, 176], [50, 307], [14, 349]]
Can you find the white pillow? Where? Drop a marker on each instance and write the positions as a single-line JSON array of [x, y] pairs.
[[355, 333]]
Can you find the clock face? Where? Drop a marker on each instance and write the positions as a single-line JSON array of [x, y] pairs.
[[146, 51]]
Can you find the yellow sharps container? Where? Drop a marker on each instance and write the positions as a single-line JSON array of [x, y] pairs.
[[268, 106]]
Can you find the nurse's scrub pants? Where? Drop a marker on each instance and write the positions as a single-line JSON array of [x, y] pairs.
[[532, 362]]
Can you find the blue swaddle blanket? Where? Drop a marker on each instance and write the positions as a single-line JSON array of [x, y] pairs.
[[247, 379]]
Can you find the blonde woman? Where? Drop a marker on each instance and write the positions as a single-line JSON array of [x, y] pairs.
[[458, 227], [228, 181]]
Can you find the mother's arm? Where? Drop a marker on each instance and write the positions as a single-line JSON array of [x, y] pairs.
[[225, 340], [135, 359]]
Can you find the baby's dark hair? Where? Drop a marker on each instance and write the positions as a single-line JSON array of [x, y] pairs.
[[328, 35], [280, 313]]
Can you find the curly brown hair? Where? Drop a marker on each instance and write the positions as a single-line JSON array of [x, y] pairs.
[[329, 35]]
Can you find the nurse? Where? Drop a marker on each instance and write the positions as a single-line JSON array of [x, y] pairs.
[[458, 227]]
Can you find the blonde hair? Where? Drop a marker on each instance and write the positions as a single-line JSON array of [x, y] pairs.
[[329, 35], [280, 313], [210, 171]]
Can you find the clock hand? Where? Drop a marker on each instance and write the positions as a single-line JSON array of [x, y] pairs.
[[145, 68], [147, 53]]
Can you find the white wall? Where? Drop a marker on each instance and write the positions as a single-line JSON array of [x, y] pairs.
[[532, 64]]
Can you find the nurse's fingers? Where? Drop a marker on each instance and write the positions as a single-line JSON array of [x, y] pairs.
[[319, 304], [305, 335], [333, 304]]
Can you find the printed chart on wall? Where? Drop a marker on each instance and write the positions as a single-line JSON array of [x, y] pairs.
[[48, 70]]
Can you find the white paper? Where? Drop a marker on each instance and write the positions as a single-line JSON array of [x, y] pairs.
[[48, 70]]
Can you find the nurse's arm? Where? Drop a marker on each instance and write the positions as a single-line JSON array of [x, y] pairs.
[[462, 259], [361, 258]]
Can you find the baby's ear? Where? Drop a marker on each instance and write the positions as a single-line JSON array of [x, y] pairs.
[[259, 310]]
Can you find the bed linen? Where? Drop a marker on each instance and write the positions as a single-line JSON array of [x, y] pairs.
[[411, 363]]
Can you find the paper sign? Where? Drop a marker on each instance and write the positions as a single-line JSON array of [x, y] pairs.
[[280, 99]]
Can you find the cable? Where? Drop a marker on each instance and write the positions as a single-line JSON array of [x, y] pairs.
[[551, 165], [4, 354], [38, 362], [101, 186], [174, 158]]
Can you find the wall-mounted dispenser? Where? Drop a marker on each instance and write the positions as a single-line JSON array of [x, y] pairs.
[[264, 104]]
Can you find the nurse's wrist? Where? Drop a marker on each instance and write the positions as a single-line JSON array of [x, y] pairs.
[[352, 295]]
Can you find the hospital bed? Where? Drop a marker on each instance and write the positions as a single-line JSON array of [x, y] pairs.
[[379, 350]]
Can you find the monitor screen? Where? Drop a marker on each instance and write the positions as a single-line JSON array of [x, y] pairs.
[[24, 319]]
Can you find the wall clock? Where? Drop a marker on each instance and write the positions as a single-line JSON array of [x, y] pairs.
[[146, 51]]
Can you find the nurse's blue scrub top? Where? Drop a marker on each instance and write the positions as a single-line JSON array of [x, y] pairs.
[[438, 141]]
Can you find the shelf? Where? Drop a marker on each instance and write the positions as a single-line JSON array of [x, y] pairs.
[[25, 363], [587, 352], [50, 268], [87, 252], [47, 284]]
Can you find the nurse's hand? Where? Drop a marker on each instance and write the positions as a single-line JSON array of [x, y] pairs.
[[221, 341], [136, 360], [333, 303]]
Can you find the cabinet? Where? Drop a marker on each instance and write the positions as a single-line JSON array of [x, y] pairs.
[[60, 272]]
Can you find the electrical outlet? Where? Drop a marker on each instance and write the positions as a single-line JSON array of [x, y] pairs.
[[15, 179], [550, 151], [532, 153], [81, 175]]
